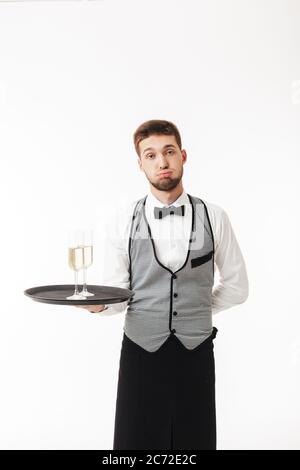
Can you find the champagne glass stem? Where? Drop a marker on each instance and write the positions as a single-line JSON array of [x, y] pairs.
[[76, 283], [84, 280], [84, 291]]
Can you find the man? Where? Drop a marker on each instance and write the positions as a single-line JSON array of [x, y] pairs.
[[172, 245]]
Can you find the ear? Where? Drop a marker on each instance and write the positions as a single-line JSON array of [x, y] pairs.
[[140, 164], [184, 156]]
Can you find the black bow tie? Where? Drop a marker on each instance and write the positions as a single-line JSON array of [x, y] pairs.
[[160, 212]]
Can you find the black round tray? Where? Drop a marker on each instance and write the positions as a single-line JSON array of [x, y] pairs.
[[56, 294]]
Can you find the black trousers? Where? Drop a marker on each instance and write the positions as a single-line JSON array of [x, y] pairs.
[[166, 399]]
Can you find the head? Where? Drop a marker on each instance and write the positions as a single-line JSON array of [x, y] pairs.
[[158, 145]]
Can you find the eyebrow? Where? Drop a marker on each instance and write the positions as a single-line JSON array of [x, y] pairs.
[[165, 146]]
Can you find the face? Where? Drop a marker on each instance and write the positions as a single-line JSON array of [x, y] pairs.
[[162, 161]]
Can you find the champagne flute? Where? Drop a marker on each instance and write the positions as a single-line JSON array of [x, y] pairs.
[[76, 260], [87, 246]]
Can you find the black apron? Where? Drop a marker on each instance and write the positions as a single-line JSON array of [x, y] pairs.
[[166, 399]]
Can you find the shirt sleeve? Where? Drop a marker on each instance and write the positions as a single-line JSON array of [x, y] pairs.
[[115, 260], [233, 286]]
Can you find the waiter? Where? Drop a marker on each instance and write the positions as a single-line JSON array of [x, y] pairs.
[[173, 243]]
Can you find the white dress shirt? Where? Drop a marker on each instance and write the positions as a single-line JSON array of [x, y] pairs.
[[171, 239]]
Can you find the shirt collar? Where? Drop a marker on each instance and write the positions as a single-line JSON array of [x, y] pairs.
[[153, 201]]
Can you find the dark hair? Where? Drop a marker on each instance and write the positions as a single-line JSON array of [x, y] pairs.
[[155, 126]]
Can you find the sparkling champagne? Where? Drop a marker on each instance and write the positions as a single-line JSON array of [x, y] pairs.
[[87, 256], [76, 258]]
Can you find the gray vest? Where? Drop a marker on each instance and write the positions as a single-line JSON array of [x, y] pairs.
[[167, 302]]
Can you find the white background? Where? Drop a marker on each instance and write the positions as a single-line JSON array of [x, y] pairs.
[[76, 80]]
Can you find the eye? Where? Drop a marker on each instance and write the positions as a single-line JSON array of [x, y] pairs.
[[149, 155], [171, 151]]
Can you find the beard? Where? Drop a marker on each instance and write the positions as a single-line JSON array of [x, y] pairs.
[[166, 184]]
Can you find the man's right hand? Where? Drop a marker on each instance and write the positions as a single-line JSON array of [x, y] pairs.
[[92, 308]]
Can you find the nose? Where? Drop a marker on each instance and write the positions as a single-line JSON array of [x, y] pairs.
[[163, 163]]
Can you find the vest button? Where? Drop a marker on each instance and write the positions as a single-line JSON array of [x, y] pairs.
[[174, 276], [173, 331], [171, 212], [175, 295], [174, 313]]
